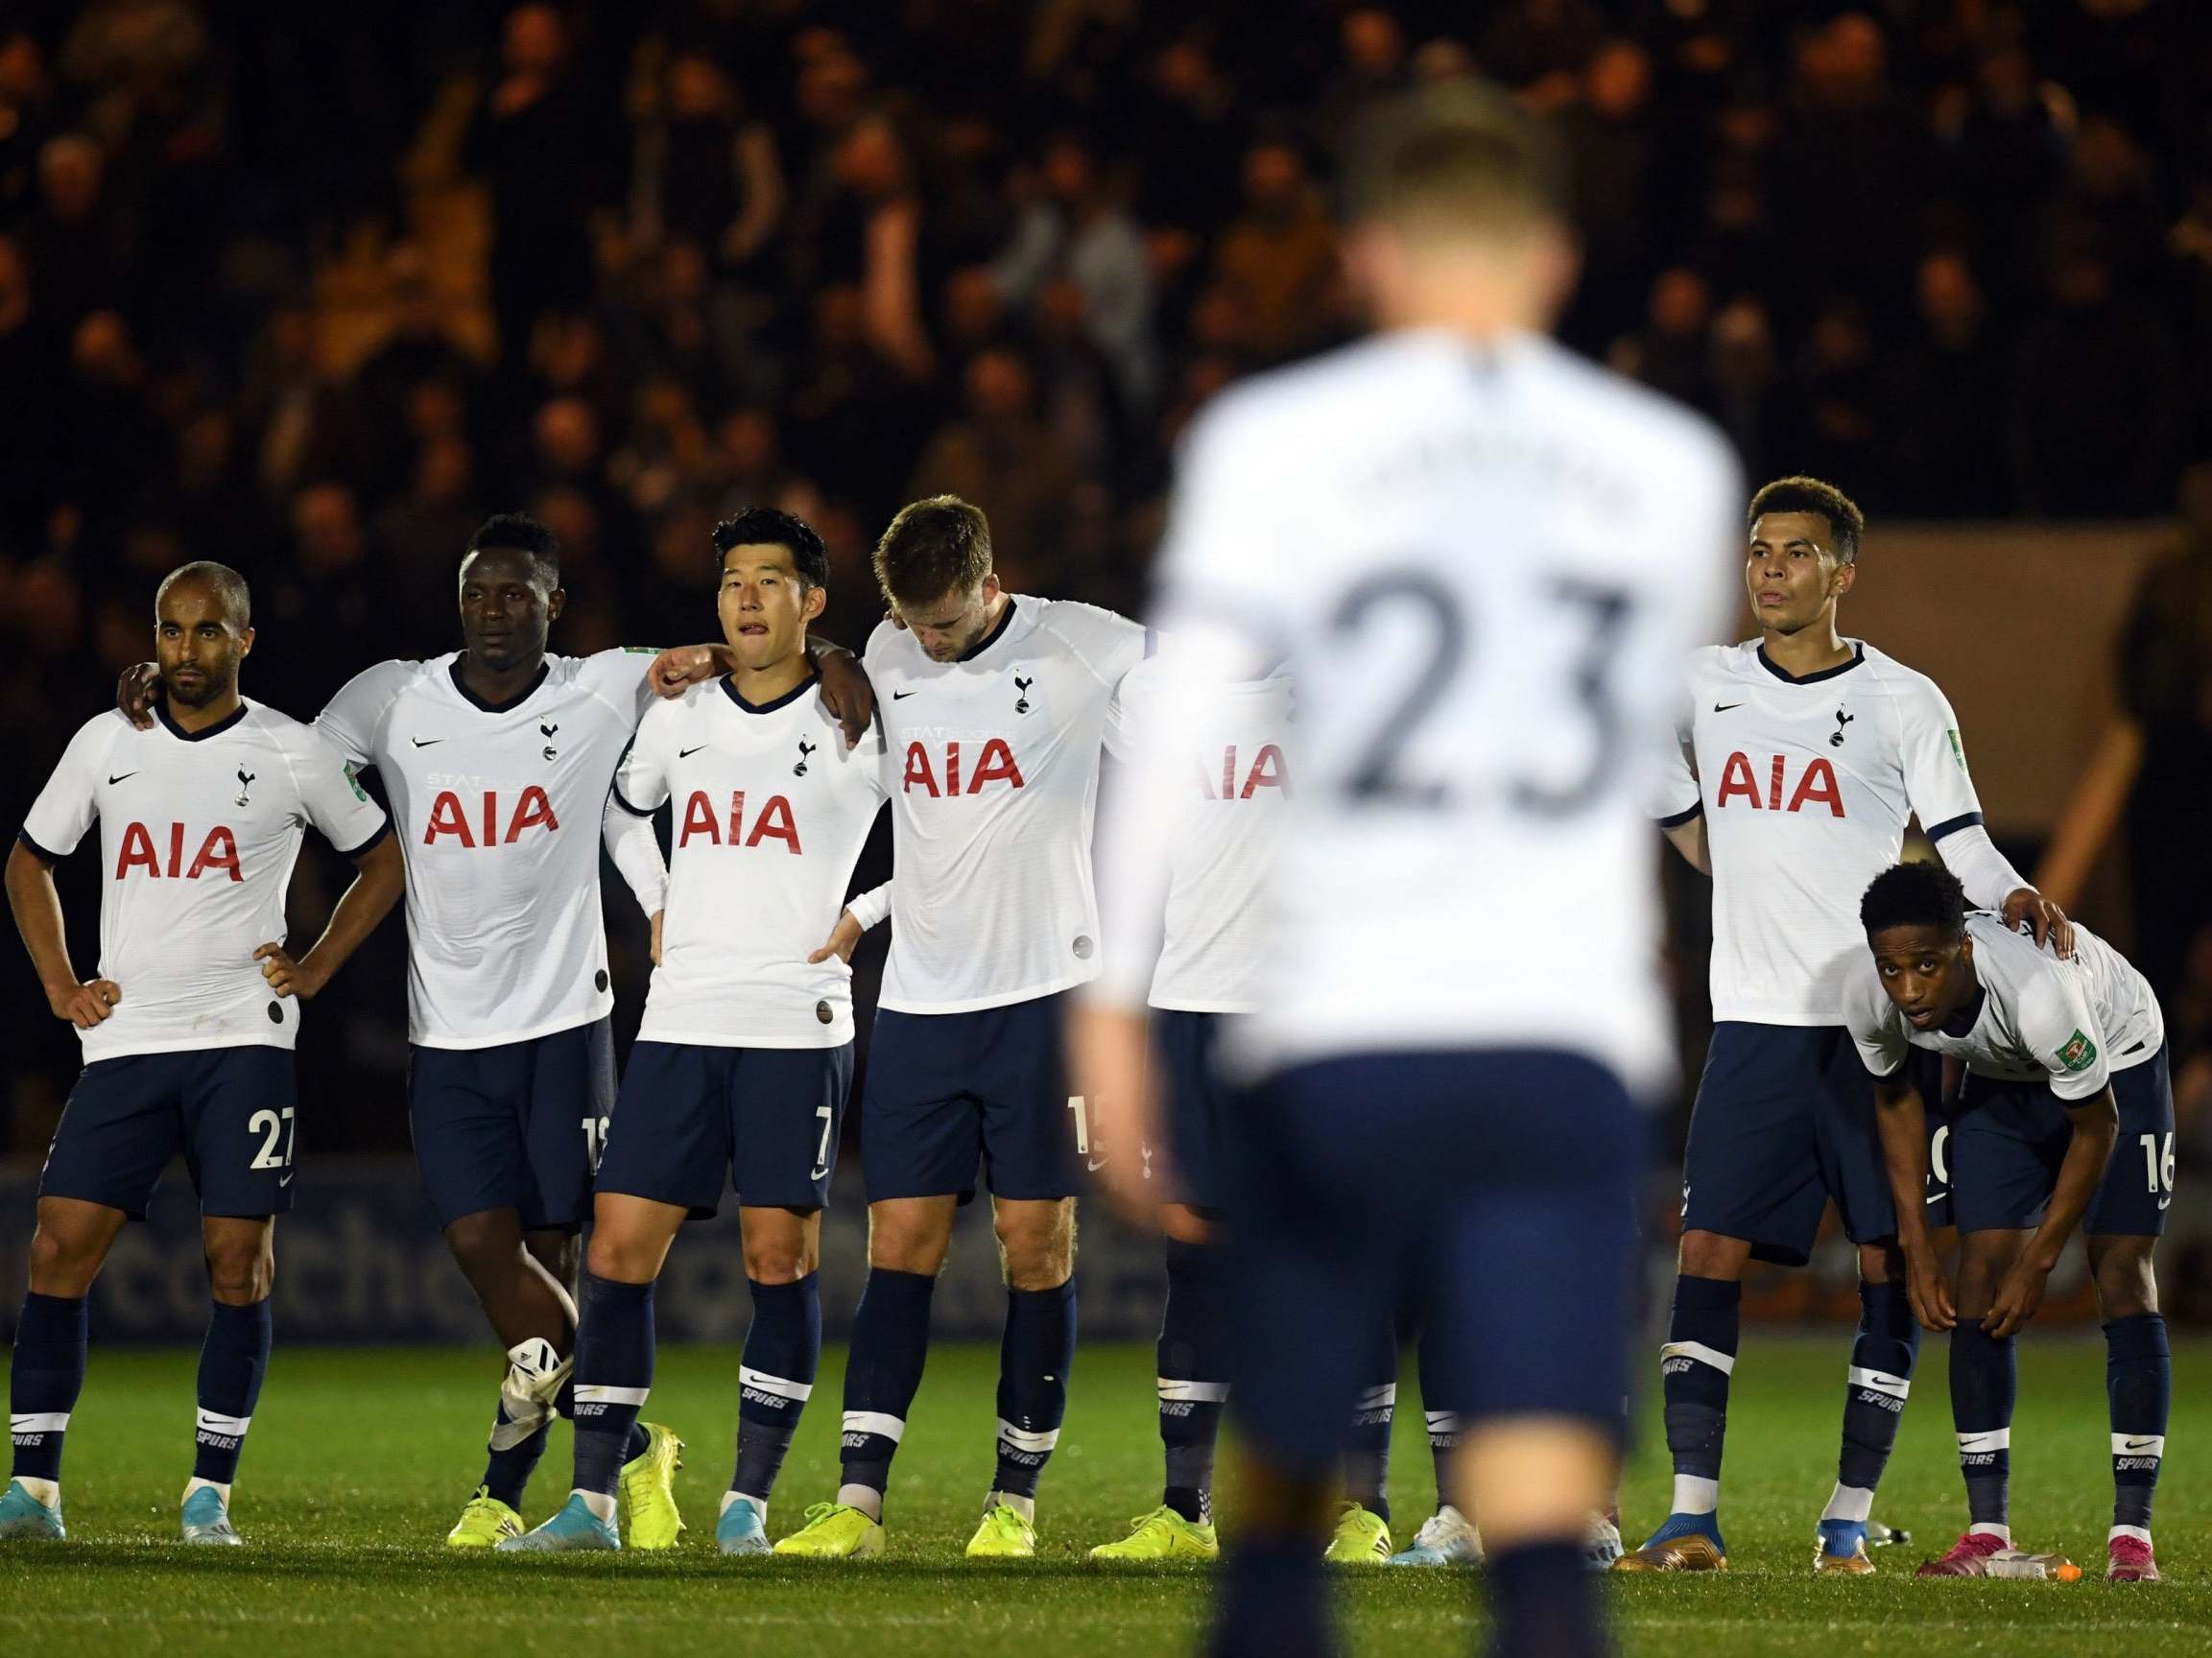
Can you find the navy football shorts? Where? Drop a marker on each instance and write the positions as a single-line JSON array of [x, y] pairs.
[[949, 1092], [690, 1115], [514, 1127], [1195, 1105], [1495, 1190], [2009, 1138], [1784, 1120], [231, 1111]]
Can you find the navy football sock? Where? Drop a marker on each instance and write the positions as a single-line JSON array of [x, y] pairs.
[[1192, 1376], [1270, 1602], [233, 1360], [1444, 1426], [2139, 1390], [774, 1380], [1881, 1379], [1368, 1443], [1694, 1365], [882, 1373], [1544, 1603], [615, 1343], [1984, 1380], [1034, 1358], [44, 1380]]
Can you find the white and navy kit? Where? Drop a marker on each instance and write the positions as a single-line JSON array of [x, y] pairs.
[[199, 832], [1480, 565], [993, 770], [1213, 935], [2040, 1035], [511, 1078], [744, 1060], [1806, 785]]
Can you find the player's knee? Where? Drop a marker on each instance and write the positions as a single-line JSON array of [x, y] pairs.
[[777, 1260], [1037, 1251], [2127, 1287], [240, 1275], [1709, 1255], [483, 1245], [900, 1242], [622, 1256], [1881, 1264], [62, 1264]]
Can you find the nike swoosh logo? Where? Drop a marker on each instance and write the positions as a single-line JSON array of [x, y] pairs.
[[286, 1179], [1724, 707], [2138, 1444], [1094, 1164], [901, 695], [425, 742], [687, 754], [1940, 1196], [120, 776]]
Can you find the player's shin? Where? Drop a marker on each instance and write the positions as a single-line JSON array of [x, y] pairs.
[[1880, 1380], [882, 1374], [1035, 1354], [1192, 1376], [775, 1377], [47, 1374], [2139, 1388], [1694, 1366], [1367, 1446], [614, 1349], [1985, 1381], [232, 1361]]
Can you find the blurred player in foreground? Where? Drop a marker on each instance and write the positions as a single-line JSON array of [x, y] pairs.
[[743, 1060], [189, 1022], [2061, 1058], [1480, 558]]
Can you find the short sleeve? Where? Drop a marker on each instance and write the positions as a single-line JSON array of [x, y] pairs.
[[641, 779], [349, 721], [1671, 792], [1937, 782], [2060, 1029], [333, 799], [66, 807], [619, 676], [1883, 1048]]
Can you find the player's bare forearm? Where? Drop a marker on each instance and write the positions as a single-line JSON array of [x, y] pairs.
[[2096, 1127], [846, 690], [1902, 1117], [1111, 1068], [38, 910], [376, 887]]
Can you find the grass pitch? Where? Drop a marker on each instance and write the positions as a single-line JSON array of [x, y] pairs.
[[360, 1461]]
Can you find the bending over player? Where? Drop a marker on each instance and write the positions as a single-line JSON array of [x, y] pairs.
[[2060, 1056]]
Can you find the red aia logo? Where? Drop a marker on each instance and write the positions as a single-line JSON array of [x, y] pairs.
[[1816, 786], [533, 811], [218, 851], [1268, 771], [996, 765], [774, 823]]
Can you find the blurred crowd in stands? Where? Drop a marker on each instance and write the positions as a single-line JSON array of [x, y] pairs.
[[312, 289]]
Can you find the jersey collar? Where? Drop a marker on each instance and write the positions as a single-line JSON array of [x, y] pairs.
[[510, 704], [204, 732], [1858, 655], [1005, 620], [729, 689], [1962, 1022]]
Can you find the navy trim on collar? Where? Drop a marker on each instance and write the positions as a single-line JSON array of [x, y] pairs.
[[1005, 620], [204, 732], [512, 703], [1858, 655], [729, 689], [1963, 1023]]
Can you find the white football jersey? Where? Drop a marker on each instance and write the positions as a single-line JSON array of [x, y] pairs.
[[1239, 775], [993, 768], [198, 835], [1480, 566], [2038, 1019], [498, 810], [768, 813], [1805, 786]]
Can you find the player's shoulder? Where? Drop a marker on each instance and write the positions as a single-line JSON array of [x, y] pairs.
[[887, 646], [1899, 680], [100, 733], [281, 730], [1867, 1005], [1081, 625]]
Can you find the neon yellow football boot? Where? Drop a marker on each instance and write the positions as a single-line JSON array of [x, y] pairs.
[[648, 1492], [1159, 1537], [485, 1522], [1363, 1538], [1003, 1535], [834, 1531]]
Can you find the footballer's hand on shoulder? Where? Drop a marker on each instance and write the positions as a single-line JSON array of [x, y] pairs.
[[845, 692], [2025, 906], [137, 688], [680, 667]]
